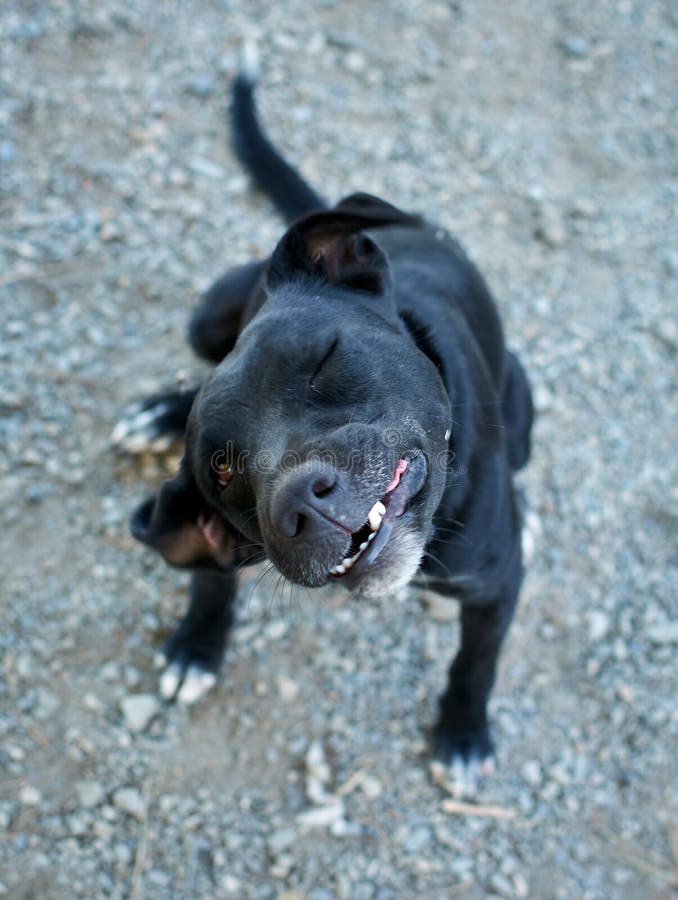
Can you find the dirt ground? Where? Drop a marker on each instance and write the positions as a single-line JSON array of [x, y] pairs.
[[544, 136]]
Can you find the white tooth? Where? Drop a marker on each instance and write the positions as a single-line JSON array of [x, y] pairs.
[[372, 536], [375, 515], [374, 518], [362, 546], [340, 569]]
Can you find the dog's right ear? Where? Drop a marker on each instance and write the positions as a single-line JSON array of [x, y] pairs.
[[182, 527]]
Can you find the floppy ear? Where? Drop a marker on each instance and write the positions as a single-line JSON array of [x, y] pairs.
[[331, 245], [183, 528]]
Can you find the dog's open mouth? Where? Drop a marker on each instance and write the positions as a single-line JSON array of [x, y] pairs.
[[368, 542]]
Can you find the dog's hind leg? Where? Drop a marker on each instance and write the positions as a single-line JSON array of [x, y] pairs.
[[153, 424], [193, 653], [517, 411], [215, 323]]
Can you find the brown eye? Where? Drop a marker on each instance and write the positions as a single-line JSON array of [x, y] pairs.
[[224, 476], [223, 470]]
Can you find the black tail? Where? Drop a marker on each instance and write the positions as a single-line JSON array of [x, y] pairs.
[[286, 188]]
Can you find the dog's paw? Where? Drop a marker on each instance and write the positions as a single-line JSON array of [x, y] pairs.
[[460, 763], [184, 681], [189, 663], [144, 429], [153, 425]]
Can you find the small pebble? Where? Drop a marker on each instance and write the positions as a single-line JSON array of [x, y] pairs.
[[30, 796], [550, 227], [532, 773], [575, 47], [89, 793], [599, 625], [130, 800], [138, 710], [201, 86], [664, 633]]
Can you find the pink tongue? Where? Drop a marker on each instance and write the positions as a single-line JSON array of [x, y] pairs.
[[400, 468]]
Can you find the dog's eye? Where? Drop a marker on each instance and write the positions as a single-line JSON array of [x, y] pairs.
[[323, 361], [224, 478], [223, 473]]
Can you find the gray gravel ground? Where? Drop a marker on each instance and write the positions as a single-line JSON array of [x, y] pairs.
[[543, 134]]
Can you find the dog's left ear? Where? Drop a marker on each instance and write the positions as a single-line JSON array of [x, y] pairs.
[[353, 260], [332, 245], [182, 528]]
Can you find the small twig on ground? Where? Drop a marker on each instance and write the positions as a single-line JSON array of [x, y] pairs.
[[673, 840], [66, 267], [451, 890], [655, 867], [352, 782], [457, 808], [142, 846]]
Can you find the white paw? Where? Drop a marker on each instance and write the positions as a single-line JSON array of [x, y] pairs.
[[170, 681], [141, 430], [196, 684], [462, 776], [185, 684]]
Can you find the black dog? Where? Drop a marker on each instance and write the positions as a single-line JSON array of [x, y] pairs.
[[364, 416]]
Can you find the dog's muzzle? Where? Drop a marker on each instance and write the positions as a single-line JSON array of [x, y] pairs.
[[323, 525]]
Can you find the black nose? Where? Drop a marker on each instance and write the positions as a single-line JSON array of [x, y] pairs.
[[306, 503]]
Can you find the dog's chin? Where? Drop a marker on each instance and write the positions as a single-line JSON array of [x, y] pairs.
[[393, 570]]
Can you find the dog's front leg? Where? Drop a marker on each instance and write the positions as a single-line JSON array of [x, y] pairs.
[[462, 735], [193, 653]]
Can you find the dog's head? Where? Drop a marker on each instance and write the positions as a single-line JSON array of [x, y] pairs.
[[320, 436]]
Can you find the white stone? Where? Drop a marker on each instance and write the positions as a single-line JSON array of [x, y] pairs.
[[371, 786], [288, 689], [663, 633], [30, 796], [90, 793], [138, 710], [130, 800], [599, 624], [532, 773], [322, 816]]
